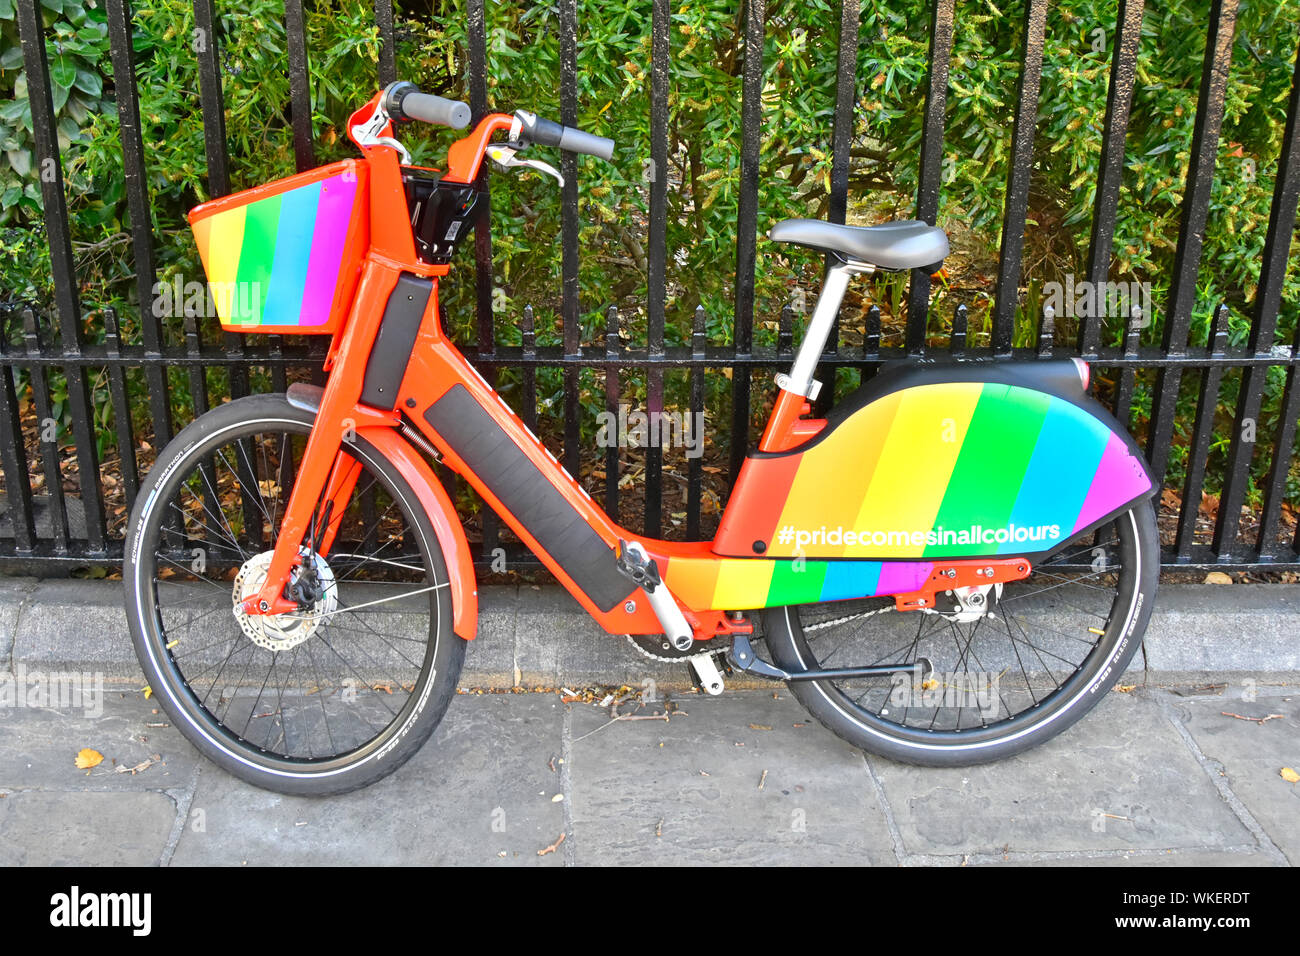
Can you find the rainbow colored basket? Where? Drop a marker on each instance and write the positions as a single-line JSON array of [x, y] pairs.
[[286, 257]]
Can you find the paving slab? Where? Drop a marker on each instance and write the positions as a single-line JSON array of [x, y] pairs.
[[13, 593], [1187, 638], [480, 792], [490, 657], [87, 828], [1252, 754], [1252, 857], [40, 746], [1121, 779], [744, 778]]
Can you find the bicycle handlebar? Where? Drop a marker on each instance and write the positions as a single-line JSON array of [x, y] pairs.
[[546, 132], [404, 102]]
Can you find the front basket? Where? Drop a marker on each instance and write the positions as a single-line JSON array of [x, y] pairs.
[[285, 257]]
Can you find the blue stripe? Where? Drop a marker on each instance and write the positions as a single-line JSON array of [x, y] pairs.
[[292, 253], [1060, 472], [850, 579]]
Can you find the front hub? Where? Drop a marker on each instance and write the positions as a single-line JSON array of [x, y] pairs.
[[311, 585]]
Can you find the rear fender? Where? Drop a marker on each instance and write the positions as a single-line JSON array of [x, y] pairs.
[[977, 459]]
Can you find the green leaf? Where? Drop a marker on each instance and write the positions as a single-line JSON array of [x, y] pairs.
[[92, 83], [21, 161], [63, 71], [12, 58], [68, 128], [12, 111], [77, 108]]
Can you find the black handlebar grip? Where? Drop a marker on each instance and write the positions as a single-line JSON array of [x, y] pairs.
[[405, 102], [546, 132], [535, 129], [576, 141]]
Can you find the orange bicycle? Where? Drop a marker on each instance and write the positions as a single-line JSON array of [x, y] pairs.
[[949, 568]]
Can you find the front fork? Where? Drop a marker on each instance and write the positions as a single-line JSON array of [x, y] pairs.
[[323, 461]]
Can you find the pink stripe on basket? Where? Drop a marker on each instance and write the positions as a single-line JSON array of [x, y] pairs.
[[332, 216]]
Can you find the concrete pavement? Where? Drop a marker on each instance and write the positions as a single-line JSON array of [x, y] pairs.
[[1151, 777], [1184, 768]]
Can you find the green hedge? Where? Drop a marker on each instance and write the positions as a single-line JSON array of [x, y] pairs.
[[705, 134]]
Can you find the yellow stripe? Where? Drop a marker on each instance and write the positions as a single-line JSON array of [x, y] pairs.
[[827, 488], [912, 474], [225, 240], [742, 584]]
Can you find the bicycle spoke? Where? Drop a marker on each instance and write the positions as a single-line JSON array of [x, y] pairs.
[[279, 694], [1027, 630]]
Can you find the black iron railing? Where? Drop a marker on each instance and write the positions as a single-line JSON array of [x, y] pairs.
[[76, 530]]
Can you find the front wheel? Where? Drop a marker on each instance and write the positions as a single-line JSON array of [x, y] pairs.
[[318, 701], [1001, 682]]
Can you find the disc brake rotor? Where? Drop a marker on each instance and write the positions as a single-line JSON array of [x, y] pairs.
[[282, 632]]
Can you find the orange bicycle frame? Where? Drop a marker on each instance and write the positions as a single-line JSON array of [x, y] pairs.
[[878, 461]]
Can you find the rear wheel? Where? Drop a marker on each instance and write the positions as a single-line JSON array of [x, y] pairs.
[[323, 700], [1001, 682]]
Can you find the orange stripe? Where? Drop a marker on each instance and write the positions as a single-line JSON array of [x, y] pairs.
[[693, 581]]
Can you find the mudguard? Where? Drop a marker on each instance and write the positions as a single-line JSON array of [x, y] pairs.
[[441, 512], [954, 460], [446, 525]]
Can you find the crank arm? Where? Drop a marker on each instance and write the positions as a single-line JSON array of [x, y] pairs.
[[743, 658]]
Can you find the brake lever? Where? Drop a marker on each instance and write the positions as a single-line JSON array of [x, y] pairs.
[[504, 156], [368, 134]]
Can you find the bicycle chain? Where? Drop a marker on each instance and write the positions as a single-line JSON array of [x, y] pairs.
[[684, 658], [835, 622]]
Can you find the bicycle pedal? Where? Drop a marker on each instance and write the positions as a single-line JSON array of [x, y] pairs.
[[706, 672], [636, 565]]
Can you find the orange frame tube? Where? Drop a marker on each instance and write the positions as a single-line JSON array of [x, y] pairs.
[[434, 368]]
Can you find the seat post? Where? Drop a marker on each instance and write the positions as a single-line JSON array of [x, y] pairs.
[[800, 381]]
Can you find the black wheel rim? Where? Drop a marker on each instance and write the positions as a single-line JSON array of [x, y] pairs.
[[993, 677], [346, 690]]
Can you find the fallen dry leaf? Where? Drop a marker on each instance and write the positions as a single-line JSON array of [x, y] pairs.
[[759, 727], [1218, 577], [87, 758], [1289, 775], [552, 848]]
